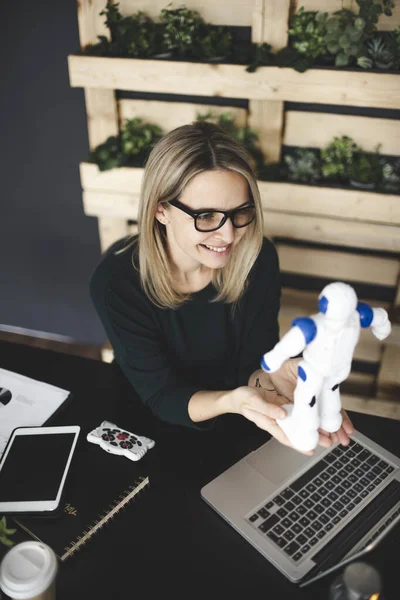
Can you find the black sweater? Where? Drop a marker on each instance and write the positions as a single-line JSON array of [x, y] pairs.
[[168, 355]]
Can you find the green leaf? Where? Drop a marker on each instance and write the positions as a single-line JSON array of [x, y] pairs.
[[10, 531], [6, 541], [342, 60], [359, 24], [333, 48]]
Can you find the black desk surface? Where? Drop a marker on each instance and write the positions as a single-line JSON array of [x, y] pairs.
[[170, 541]]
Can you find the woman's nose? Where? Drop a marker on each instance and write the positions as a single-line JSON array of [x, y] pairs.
[[227, 231]]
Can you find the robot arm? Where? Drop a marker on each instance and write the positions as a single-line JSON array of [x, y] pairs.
[[376, 318], [293, 342]]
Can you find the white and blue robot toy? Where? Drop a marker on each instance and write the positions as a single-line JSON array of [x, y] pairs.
[[327, 341]]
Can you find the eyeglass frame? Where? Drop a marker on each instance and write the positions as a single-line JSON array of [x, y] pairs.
[[227, 214]]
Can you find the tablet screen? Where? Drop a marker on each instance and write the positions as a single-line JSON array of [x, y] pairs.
[[34, 467]]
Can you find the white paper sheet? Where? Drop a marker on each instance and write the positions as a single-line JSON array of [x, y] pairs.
[[25, 402]]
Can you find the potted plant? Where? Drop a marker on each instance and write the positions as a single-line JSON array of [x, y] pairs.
[[393, 43], [365, 170], [307, 30], [214, 43], [371, 10], [303, 166], [337, 158], [130, 147], [134, 36], [391, 175], [379, 55], [345, 36], [180, 30], [5, 532]]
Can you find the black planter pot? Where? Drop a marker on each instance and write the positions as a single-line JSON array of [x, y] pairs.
[[327, 60], [361, 185]]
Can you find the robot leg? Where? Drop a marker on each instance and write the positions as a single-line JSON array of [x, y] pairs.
[[329, 402], [302, 421]]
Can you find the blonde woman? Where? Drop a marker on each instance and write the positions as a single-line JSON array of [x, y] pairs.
[[191, 304]]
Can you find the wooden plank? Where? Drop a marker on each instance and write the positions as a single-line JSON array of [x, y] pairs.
[[275, 23], [113, 206], [169, 115], [133, 228], [324, 86], [123, 180], [389, 372], [329, 6], [349, 204], [102, 115], [111, 230], [234, 12], [316, 130], [90, 23], [338, 265], [380, 407], [270, 24], [266, 118], [331, 231]]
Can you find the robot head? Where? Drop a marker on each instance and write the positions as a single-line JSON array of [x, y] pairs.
[[337, 301]]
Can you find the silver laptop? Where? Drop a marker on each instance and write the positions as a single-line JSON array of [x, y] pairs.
[[310, 515]]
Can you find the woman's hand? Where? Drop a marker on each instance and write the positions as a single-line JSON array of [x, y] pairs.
[[342, 435], [284, 379], [262, 407], [280, 387]]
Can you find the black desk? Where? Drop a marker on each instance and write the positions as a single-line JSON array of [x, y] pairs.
[[170, 542]]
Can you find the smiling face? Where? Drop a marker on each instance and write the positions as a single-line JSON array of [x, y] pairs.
[[192, 250]]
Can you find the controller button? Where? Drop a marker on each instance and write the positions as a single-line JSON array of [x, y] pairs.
[[126, 445], [115, 431], [113, 443], [139, 443], [107, 437], [122, 436], [126, 433]]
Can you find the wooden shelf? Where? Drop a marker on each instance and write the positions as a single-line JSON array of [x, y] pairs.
[[321, 86], [337, 216]]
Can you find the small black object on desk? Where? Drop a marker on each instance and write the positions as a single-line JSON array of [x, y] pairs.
[[170, 538]]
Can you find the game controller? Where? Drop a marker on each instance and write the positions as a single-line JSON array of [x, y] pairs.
[[114, 440]]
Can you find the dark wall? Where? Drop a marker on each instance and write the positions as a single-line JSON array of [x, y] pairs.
[[48, 247]]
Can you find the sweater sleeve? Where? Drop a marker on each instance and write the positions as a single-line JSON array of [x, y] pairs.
[[261, 308], [131, 327]]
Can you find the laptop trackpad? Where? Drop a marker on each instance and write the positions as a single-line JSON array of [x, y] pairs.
[[276, 462]]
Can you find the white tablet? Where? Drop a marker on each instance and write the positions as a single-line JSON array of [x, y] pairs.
[[34, 467]]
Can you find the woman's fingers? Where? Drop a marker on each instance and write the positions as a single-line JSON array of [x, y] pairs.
[[267, 424], [347, 424], [324, 440], [342, 435], [258, 401]]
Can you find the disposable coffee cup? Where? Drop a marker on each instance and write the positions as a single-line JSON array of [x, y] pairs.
[[28, 572]]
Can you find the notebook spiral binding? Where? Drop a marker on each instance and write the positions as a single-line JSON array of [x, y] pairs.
[[113, 509]]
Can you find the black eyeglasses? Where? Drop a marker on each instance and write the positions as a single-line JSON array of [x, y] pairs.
[[208, 219]]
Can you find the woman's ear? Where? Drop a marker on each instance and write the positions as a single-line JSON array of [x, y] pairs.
[[162, 213]]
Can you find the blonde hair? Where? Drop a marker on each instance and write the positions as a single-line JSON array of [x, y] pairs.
[[173, 162]]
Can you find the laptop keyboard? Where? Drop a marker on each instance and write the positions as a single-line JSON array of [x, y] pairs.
[[313, 505]]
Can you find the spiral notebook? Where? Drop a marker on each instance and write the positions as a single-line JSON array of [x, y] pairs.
[[100, 486]]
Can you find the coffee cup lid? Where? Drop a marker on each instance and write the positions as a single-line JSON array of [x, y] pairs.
[[27, 570]]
